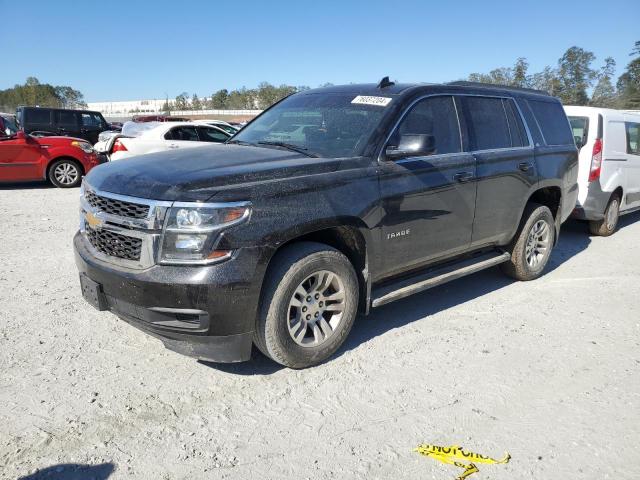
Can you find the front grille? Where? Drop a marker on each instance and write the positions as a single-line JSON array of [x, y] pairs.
[[116, 207], [114, 244]]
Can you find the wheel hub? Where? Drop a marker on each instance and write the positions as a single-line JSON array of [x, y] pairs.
[[316, 308], [537, 246], [66, 173]]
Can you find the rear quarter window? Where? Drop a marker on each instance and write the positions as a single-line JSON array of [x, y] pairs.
[[553, 122], [42, 117]]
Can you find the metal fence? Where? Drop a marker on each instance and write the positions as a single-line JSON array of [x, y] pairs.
[[190, 113]]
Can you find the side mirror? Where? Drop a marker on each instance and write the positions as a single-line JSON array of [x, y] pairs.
[[412, 145], [20, 135]]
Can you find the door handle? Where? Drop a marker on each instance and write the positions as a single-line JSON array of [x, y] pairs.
[[463, 176], [525, 166], [173, 146]]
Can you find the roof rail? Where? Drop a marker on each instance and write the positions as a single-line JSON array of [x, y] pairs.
[[464, 83]]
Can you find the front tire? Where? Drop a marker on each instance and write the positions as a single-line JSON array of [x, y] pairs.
[[608, 224], [65, 173], [531, 247], [309, 304]]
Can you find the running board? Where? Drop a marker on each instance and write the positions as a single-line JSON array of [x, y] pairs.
[[433, 278]]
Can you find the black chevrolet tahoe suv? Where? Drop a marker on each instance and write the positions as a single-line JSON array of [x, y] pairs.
[[331, 202]]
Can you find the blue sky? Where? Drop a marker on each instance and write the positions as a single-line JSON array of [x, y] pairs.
[[116, 50]]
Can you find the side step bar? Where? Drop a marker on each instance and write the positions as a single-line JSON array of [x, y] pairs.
[[433, 278]]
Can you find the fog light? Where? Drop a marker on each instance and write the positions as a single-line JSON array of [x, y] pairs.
[[190, 242]]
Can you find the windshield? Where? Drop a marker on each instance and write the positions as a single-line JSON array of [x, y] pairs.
[[323, 124]]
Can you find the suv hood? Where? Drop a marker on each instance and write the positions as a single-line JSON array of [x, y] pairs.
[[196, 174]]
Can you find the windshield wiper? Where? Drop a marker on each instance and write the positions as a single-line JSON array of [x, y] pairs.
[[239, 142], [290, 146]]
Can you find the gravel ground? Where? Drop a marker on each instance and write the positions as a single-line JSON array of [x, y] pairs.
[[546, 370]]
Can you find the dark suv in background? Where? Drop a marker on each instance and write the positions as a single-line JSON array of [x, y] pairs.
[[83, 124], [333, 201]]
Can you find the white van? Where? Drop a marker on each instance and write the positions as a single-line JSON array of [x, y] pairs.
[[609, 171]]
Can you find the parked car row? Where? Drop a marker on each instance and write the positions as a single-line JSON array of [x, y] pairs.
[[36, 138]]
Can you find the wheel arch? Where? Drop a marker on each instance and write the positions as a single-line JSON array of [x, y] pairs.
[[551, 197], [348, 236], [620, 191]]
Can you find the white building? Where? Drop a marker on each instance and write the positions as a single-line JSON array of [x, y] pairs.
[[131, 106], [128, 109]]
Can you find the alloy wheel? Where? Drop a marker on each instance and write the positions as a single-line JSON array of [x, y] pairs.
[[537, 246], [316, 308], [612, 214], [66, 173]]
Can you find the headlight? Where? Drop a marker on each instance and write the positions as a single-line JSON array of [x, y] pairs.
[[192, 231], [84, 146]]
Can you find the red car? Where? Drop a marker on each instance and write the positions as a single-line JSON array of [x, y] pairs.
[[61, 160]]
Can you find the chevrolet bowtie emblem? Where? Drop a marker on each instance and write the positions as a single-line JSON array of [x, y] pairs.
[[93, 221]]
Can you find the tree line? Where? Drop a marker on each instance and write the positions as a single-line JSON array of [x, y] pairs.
[[43, 94], [243, 98], [574, 79]]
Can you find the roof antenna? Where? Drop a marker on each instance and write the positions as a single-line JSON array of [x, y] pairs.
[[385, 82]]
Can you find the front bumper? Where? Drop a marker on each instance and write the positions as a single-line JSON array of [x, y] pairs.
[[207, 312]]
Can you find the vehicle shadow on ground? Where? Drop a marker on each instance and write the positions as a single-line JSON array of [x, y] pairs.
[[73, 471], [574, 239], [26, 186], [628, 219]]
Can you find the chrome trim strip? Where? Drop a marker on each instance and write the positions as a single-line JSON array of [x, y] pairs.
[[210, 205]]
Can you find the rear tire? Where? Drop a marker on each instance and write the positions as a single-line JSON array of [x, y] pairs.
[[531, 247], [308, 305], [607, 226], [65, 173]]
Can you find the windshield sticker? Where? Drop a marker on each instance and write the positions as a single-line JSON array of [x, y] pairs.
[[369, 100]]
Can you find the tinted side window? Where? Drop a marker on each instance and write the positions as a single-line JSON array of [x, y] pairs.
[[66, 118], [633, 138], [553, 122], [516, 127], [212, 135], [40, 116], [91, 120], [433, 116], [486, 123], [185, 133]]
